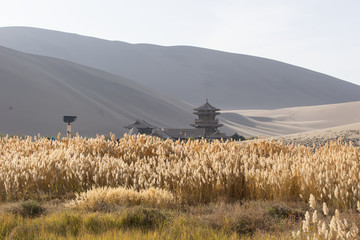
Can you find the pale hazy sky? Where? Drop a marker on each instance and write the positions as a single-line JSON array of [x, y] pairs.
[[322, 35]]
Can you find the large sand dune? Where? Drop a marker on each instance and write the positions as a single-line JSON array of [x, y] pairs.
[[35, 92], [230, 81]]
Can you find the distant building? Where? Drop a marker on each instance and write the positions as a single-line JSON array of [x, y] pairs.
[[140, 126], [207, 118], [237, 137], [179, 133], [206, 126]]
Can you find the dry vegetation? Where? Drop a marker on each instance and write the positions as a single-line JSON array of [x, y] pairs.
[[145, 170]]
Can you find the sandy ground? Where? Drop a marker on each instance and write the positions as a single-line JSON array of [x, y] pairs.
[[285, 121], [347, 133]]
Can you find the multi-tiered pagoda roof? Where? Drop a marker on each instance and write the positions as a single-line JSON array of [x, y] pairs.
[[207, 118], [206, 107]]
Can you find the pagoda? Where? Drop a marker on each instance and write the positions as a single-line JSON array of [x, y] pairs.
[[206, 118]]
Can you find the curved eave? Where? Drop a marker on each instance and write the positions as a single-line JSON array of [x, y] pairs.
[[206, 107], [139, 124], [207, 125], [206, 113]]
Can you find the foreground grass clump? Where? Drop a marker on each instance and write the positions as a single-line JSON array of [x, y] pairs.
[[29, 209], [105, 199], [133, 223], [250, 220], [246, 220], [321, 224]]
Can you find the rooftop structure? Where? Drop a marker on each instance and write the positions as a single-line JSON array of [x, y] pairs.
[[207, 118], [206, 126], [237, 137], [140, 126], [207, 107], [68, 120]]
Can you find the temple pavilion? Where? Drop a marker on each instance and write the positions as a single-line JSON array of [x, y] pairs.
[[205, 126], [140, 126], [207, 118]]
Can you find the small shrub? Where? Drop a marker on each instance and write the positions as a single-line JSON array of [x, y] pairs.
[[245, 227], [284, 212], [96, 224], [29, 209], [144, 218], [105, 199]]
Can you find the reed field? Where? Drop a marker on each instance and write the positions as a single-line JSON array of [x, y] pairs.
[[87, 173]]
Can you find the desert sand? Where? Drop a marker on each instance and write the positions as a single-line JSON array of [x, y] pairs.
[[347, 133], [190, 74], [285, 121], [35, 92], [309, 126]]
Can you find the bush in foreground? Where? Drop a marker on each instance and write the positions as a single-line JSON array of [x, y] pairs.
[[105, 199], [28, 208]]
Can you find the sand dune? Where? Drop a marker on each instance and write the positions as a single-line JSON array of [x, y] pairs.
[[37, 91], [291, 120], [348, 133], [190, 74]]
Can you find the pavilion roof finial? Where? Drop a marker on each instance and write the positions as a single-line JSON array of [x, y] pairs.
[[206, 107]]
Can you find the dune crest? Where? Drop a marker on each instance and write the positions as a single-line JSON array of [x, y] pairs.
[[190, 74]]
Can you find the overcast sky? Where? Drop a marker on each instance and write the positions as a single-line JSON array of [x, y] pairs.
[[322, 35]]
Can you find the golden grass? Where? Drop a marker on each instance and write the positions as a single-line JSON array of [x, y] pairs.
[[193, 171], [149, 223], [103, 198], [146, 170]]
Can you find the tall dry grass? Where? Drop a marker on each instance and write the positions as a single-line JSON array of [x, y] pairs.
[[192, 171]]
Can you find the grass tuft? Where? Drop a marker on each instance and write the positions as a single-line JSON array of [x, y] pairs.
[[29, 209], [25, 231], [143, 218], [279, 211], [111, 199]]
